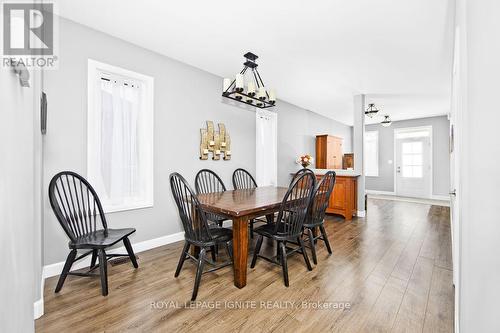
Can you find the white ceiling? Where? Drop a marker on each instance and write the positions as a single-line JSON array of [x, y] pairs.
[[317, 54]]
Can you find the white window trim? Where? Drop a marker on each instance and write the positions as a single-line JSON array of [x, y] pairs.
[[93, 68], [377, 155]]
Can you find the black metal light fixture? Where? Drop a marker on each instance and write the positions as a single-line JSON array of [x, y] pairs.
[[255, 93], [386, 122], [371, 110]]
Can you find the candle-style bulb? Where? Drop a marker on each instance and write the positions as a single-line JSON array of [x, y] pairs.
[[251, 88], [262, 93], [272, 96], [239, 82], [225, 84]]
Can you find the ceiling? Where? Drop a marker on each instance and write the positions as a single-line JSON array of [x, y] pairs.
[[317, 54]]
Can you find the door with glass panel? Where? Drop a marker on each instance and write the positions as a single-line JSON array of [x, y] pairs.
[[413, 150]]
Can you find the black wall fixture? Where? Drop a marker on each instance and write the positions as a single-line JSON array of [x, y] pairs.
[[43, 113]]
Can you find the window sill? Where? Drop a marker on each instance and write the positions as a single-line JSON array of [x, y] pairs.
[[116, 209]]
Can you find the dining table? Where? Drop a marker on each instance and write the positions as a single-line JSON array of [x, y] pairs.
[[241, 206]]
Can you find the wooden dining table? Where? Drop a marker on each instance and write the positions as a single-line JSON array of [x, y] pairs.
[[241, 206]]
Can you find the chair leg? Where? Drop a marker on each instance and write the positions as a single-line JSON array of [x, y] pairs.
[[229, 252], [313, 246], [256, 250], [214, 251], [182, 258], [103, 268], [67, 266], [130, 251], [94, 259], [304, 253], [284, 263], [251, 228], [199, 271], [325, 238]]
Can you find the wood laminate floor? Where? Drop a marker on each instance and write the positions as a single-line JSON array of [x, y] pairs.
[[390, 272]]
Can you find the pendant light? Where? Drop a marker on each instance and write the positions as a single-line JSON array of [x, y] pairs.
[[386, 122], [371, 110]]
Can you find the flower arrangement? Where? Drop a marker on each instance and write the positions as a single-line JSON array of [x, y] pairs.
[[305, 160]]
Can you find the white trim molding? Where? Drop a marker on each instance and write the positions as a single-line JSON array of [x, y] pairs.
[[361, 213], [440, 197], [380, 192], [38, 307], [56, 269]]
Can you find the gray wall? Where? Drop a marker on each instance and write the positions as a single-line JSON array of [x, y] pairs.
[[185, 97], [440, 156], [17, 218], [297, 130]]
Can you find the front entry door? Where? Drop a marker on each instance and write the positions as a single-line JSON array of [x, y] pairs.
[[413, 163]]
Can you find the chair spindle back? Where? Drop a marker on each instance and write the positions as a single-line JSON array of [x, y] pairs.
[[242, 179], [321, 197], [207, 181], [192, 216], [295, 205], [76, 205]]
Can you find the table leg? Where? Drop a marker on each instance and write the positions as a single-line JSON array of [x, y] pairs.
[[240, 251]]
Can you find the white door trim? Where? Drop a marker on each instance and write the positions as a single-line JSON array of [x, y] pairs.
[[412, 129]]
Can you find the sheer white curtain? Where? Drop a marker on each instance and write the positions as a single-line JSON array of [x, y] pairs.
[[266, 148], [119, 147]]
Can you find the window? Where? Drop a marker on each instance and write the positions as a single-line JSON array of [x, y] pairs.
[[411, 156], [120, 136], [371, 154]]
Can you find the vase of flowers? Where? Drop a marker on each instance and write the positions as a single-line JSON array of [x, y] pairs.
[[305, 160]]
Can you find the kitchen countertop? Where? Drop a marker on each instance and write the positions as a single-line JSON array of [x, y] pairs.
[[339, 172]]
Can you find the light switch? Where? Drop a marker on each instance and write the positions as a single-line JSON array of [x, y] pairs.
[[389, 161]]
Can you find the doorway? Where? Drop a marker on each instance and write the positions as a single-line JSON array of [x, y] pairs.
[[413, 167], [266, 145]]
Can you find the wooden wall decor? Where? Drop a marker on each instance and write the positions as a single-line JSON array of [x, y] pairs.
[[204, 144], [216, 142]]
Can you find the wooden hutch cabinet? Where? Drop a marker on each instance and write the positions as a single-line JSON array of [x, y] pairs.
[[328, 152], [344, 197]]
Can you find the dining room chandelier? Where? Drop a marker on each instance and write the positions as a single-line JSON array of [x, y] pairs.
[[247, 87]]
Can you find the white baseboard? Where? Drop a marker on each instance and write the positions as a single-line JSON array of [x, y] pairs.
[[432, 197], [56, 269], [441, 197], [379, 192], [38, 308], [361, 213]]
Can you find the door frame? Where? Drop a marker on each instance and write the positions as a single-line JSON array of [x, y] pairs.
[[412, 129]]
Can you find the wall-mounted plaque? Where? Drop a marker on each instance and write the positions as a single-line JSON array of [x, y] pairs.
[[216, 142]]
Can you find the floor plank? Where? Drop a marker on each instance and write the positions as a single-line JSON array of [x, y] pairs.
[[389, 270]]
